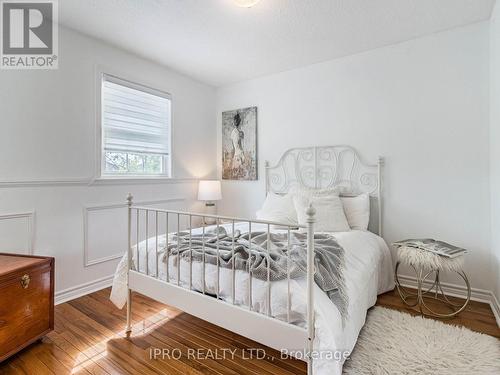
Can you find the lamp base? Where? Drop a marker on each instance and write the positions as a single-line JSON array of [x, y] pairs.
[[210, 209]]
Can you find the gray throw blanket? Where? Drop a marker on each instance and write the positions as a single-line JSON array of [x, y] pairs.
[[328, 260]]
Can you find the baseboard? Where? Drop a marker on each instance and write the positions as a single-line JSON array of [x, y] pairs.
[[82, 289], [479, 295], [495, 306]]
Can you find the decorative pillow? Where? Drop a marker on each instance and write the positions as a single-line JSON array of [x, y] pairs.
[[278, 208], [357, 211], [330, 216], [314, 192]]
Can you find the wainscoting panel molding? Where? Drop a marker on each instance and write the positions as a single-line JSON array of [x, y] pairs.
[[91, 181], [30, 229], [89, 209]]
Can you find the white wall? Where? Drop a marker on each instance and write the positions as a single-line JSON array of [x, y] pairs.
[[422, 104], [495, 145], [48, 157]]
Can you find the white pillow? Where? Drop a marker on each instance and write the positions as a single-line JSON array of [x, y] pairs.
[[357, 211], [330, 216], [278, 208], [315, 192]]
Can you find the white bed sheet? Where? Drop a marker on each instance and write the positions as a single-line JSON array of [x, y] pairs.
[[368, 272]]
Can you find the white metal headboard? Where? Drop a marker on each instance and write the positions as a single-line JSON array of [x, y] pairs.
[[324, 167]]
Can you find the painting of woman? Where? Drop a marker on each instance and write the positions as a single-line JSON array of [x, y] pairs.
[[239, 144]]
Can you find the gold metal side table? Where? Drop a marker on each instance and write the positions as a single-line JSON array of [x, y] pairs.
[[428, 266]]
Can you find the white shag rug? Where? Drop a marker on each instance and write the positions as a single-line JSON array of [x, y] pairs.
[[392, 342]]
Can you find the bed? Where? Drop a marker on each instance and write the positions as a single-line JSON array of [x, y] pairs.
[[289, 313]]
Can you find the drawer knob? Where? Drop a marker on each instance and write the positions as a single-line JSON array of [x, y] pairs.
[[25, 281]]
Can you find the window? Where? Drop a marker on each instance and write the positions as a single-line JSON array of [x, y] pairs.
[[136, 129]]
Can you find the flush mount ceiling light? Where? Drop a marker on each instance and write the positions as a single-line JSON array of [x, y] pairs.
[[246, 3]]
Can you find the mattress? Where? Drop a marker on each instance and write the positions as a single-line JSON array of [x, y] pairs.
[[368, 272]]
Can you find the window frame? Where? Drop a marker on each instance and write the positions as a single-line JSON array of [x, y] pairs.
[[123, 79]]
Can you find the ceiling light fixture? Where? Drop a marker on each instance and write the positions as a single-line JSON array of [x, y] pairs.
[[246, 3]]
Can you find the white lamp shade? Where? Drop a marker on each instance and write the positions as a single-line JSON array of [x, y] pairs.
[[209, 190]]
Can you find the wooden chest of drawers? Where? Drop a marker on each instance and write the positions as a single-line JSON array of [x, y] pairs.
[[26, 301]]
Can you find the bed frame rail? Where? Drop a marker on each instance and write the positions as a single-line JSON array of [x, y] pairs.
[[261, 327]]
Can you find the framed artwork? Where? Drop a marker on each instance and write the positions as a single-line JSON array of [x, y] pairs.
[[239, 144]]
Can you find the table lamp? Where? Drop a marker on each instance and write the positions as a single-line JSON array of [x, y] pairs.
[[209, 191]]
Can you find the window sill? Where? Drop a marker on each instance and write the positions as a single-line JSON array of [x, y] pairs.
[[132, 180]]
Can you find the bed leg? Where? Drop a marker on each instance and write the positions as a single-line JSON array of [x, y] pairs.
[[310, 287], [128, 329]]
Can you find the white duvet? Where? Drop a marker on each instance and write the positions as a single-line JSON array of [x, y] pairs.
[[368, 272]]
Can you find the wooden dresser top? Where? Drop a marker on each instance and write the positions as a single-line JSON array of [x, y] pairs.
[[10, 263]]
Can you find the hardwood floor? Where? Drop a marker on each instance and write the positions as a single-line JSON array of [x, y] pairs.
[[89, 339]]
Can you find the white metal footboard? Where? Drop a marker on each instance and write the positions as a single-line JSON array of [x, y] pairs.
[[260, 327]]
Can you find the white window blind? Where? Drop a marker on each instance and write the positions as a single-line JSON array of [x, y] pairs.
[[135, 121]]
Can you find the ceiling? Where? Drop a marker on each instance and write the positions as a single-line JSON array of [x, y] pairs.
[[219, 43]]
